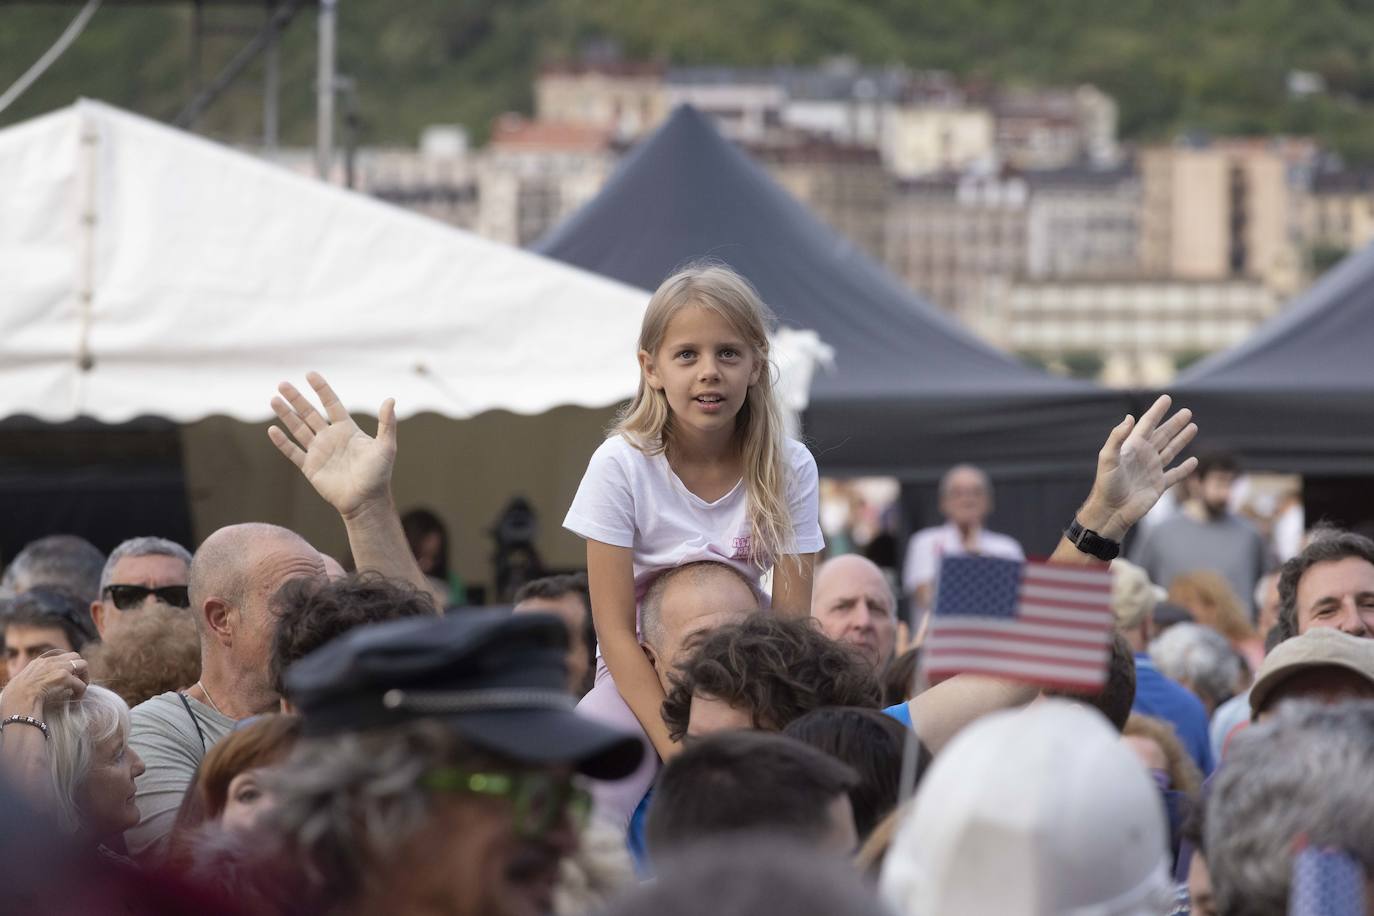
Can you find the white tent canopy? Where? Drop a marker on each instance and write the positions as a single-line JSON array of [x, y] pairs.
[[146, 271]]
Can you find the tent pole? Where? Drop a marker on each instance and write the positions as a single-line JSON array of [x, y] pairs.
[[324, 90], [85, 294]]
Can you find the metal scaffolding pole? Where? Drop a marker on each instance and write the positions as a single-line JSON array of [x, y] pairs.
[[324, 90], [197, 37], [271, 83], [265, 39]]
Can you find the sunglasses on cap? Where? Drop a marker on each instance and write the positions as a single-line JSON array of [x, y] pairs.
[[128, 597], [541, 799]]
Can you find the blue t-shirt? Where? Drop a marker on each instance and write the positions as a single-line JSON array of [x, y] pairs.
[[1156, 695], [902, 713], [635, 838]]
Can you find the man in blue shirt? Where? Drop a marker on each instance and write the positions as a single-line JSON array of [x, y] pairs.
[[1133, 599]]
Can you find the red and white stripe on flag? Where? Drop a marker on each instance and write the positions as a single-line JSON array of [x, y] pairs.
[[1044, 623]]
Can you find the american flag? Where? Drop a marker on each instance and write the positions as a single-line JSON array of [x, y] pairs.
[[1040, 622], [1326, 882]]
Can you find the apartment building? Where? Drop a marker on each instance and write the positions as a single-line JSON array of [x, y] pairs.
[[1133, 331], [1083, 223], [624, 97], [1226, 209], [952, 237], [533, 174], [843, 184], [1340, 211], [1054, 128]]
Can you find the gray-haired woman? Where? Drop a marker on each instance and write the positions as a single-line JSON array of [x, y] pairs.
[[73, 756], [93, 766]]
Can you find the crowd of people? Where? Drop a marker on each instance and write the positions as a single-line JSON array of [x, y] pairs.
[[709, 720]]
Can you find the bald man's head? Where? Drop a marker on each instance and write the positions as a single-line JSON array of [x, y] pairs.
[[224, 565], [853, 603], [687, 601], [234, 576], [849, 566]]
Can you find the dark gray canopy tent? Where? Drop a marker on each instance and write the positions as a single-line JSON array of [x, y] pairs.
[[1298, 395], [912, 391]]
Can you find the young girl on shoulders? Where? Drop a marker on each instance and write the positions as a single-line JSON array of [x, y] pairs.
[[696, 468]]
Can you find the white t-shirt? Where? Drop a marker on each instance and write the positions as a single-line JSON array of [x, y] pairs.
[[929, 545], [630, 499]]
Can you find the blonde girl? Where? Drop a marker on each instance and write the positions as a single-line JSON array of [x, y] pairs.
[[697, 468]]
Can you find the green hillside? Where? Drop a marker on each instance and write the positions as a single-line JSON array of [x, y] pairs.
[[1173, 65]]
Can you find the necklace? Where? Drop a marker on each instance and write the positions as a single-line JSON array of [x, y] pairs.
[[209, 699]]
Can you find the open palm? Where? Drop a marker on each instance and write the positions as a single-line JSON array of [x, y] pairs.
[[1133, 467], [346, 466]]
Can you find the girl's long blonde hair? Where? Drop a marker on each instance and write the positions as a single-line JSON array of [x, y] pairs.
[[647, 422]]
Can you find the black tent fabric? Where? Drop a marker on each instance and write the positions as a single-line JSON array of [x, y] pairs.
[[1298, 395], [912, 391]]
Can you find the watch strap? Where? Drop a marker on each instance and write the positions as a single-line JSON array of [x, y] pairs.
[[1092, 543]]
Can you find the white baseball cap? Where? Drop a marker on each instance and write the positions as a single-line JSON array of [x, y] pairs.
[[1034, 812]]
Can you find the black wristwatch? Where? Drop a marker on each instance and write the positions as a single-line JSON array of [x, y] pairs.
[[1092, 543]]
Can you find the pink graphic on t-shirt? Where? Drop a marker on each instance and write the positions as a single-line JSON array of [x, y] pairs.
[[742, 549]]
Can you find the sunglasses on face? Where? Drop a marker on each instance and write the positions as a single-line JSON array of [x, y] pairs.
[[541, 799], [128, 597]]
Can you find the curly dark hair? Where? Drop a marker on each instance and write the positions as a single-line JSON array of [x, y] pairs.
[[1328, 545], [311, 612], [777, 669]]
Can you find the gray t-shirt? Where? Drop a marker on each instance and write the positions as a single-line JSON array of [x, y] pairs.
[[1229, 545], [166, 739]]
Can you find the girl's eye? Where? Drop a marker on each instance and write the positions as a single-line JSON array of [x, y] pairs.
[[246, 795], [728, 353], [686, 354]]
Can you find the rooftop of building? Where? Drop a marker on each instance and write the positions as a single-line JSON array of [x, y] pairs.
[[605, 66], [1343, 181], [512, 131]]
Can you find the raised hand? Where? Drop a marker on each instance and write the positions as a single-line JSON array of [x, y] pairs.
[[54, 675], [348, 468], [1133, 468]]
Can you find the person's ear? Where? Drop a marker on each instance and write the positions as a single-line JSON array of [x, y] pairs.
[[650, 654], [217, 614], [98, 617], [646, 366], [760, 365]]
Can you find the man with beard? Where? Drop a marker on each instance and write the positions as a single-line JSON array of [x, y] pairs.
[[1205, 534], [440, 769]]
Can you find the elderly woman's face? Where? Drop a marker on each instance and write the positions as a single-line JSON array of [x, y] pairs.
[[106, 798]]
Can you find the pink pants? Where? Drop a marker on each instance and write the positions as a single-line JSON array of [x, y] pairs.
[[616, 800]]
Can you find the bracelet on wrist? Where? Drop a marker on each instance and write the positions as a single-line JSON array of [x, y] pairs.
[[26, 720]]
